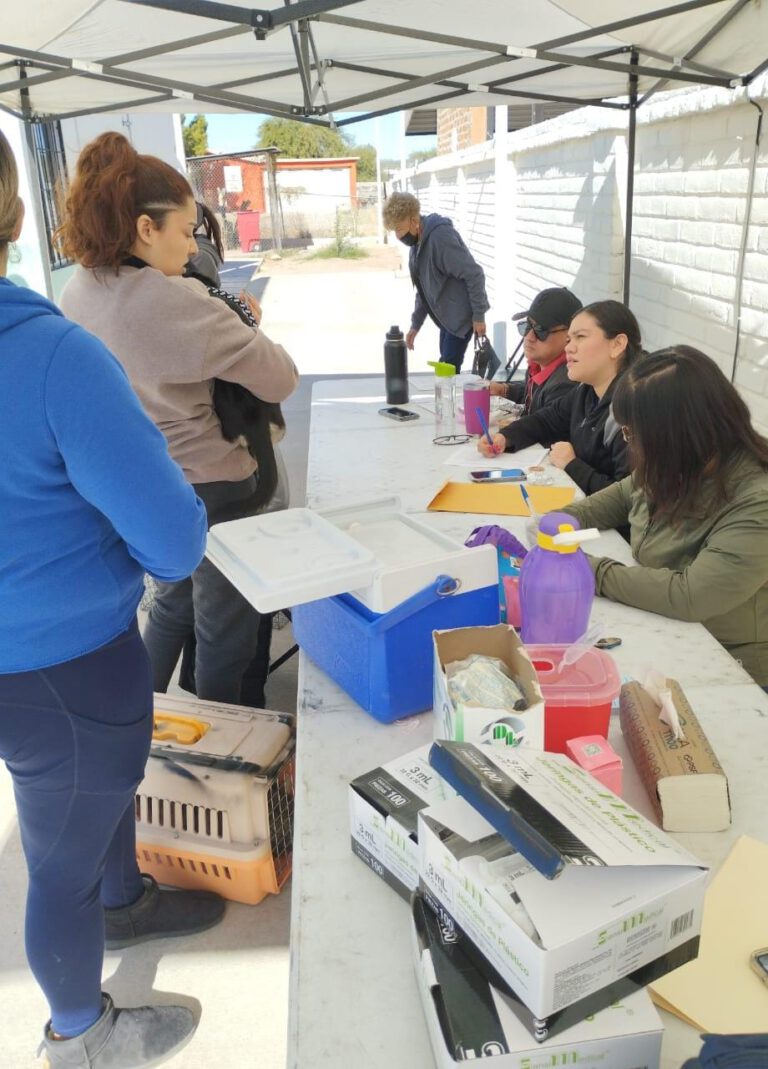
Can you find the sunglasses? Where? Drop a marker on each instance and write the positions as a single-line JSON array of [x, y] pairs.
[[542, 333]]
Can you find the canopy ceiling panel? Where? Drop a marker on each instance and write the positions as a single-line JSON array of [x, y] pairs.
[[320, 59]]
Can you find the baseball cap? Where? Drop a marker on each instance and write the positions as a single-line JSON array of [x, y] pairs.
[[552, 308]]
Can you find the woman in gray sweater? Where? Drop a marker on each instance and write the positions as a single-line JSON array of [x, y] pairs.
[[129, 223]]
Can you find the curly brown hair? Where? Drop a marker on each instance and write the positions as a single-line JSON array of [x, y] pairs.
[[399, 208], [112, 187]]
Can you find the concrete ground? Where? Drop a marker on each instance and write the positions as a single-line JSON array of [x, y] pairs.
[[333, 323]]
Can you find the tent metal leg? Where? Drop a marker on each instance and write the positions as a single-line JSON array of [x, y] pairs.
[[632, 137]]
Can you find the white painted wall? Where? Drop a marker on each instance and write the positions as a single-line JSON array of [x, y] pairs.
[[548, 208], [694, 157], [152, 135], [316, 190], [28, 261]]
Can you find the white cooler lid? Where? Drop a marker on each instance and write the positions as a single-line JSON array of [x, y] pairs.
[[370, 549], [288, 558]]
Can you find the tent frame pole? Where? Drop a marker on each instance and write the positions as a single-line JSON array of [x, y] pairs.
[[38, 211], [631, 140]]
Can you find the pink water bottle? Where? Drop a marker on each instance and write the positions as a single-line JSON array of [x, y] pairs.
[[557, 585]]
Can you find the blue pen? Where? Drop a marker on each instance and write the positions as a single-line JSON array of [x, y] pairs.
[[484, 425], [526, 499]]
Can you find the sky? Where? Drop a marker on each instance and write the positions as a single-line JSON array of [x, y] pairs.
[[238, 133]]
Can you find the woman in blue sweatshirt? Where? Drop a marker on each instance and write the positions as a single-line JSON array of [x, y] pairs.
[[89, 501]]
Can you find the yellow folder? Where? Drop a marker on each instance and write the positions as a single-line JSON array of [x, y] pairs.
[[504, 499], [717, 991]]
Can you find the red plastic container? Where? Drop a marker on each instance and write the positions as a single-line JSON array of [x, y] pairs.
[[577, 701]]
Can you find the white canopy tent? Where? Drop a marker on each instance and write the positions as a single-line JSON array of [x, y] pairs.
[[318, 60]]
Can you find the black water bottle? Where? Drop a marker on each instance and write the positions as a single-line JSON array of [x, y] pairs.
[[396, 367]]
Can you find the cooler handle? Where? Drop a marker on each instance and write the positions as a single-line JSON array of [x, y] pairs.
[[443, 587]]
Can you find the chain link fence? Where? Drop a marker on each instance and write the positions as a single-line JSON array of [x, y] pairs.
[[263, 202]]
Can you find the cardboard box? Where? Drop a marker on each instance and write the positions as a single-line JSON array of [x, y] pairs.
[[487, 727], [468, 1017], [383, 815], [627, 900], [683, 777]]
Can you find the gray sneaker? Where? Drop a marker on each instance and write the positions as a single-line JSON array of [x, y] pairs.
[[161, 913], [122, 1039]]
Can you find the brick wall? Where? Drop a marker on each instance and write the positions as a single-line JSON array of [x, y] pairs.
[[459, 128], [568, 226], [688, 225]]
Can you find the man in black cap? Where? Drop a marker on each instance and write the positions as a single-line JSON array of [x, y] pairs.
[[544, 326]]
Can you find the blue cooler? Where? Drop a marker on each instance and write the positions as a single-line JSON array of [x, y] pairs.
[[367, 585], [384, 660]]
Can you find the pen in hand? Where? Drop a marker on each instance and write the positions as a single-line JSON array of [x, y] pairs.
[[484, 425]]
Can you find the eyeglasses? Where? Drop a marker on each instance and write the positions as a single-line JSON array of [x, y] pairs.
[[542, 333], [626, 434]]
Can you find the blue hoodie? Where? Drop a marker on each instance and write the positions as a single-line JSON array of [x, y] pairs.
[[89, 497]]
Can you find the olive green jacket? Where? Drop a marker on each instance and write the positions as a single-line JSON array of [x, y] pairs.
[[711, 568]]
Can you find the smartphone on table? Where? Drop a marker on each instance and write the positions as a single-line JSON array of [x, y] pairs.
[[498, 475], [402, 415]]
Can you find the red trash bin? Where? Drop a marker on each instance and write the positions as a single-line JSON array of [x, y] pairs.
[[249, 230]]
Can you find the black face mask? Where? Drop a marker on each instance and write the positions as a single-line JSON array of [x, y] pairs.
[[409, 239]]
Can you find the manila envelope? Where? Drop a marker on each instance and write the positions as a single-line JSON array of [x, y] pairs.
[[502, 500], [718, 991]]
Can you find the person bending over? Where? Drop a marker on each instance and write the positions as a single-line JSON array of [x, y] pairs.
[[450, 284], [696, 504], [584, 438]]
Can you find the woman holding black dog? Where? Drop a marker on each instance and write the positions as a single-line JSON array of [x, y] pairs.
[[129, 223]]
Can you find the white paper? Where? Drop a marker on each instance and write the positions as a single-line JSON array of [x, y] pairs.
[[469, 457]]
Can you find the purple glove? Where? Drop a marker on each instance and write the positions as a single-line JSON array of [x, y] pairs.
[[497, 536]]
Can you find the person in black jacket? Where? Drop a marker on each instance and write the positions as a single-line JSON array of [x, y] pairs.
[[584, 438], [544, 327]]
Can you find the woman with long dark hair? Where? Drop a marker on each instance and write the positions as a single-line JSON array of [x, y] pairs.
[[584, 439], [696, 503]]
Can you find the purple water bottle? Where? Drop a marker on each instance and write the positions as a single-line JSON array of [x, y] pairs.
[[557, 585]]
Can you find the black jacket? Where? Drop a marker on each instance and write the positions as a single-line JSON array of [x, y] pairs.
[[557, 385], [587, 423]]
